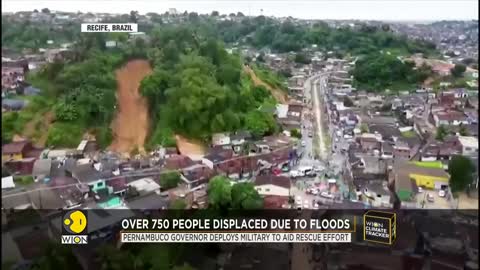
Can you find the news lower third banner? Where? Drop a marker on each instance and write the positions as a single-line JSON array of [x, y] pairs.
[[373, 227], [80, 226], [235, 237], [393, 238], [238, 229]]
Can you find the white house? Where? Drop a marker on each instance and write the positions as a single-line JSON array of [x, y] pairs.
[[447, 118], [271, 185], [110, 44], [220, 139], [282, 110], [469, 145], [145, 186]]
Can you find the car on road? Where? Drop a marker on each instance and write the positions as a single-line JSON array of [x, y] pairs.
[[295, 174], [304, 143], [310, 134], [304, 170], [276, 171], [420, 190], [430, 198], [442, 193]]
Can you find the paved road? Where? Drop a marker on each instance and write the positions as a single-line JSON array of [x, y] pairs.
[[308, 158], [318, 90]]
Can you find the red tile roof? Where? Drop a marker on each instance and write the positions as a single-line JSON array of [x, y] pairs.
[[281, 181], [274, 202], [14, 147], [177, 162], [451, 116], [118, 184]]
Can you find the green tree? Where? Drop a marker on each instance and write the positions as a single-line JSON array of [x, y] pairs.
[[259, 123], [302, 58], [154, 86], [178, 204], [296, 133], [441, 133], [245, 196], [463, 130], [111, 258], [64, 134], [66, 111], [56, 257], [219, 192], [46, 10], [347, 102], [214, 14], [458, 70], [377, 72], [133, 16], [461, 170], [364, 128], [170, 180], [193, 16], [260, 57]]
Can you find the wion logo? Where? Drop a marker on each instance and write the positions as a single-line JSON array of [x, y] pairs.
[[379, 227], [74, 228]]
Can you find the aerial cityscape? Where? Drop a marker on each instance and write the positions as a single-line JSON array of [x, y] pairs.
[[238, 112]]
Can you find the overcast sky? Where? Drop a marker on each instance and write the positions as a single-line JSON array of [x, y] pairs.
[[392, 10]]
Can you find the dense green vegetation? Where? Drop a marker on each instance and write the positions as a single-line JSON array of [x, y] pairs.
[[35, 35], [458, 70], [14, 122], [442, 132], [377, 72], [289, 36], [258, 31], [85, 94], [170, 180], [197, 88], [461, 170], [80, 93], [270, 77], [222, 195]]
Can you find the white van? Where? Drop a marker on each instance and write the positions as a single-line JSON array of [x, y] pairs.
[[304, 170], [295, 173]]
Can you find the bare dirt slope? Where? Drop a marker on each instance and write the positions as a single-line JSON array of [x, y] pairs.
[[37, 128], [278, 94], [189, 147], [130, 127]]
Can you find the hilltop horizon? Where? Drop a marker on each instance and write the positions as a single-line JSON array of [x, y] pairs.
[[404, 11]]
